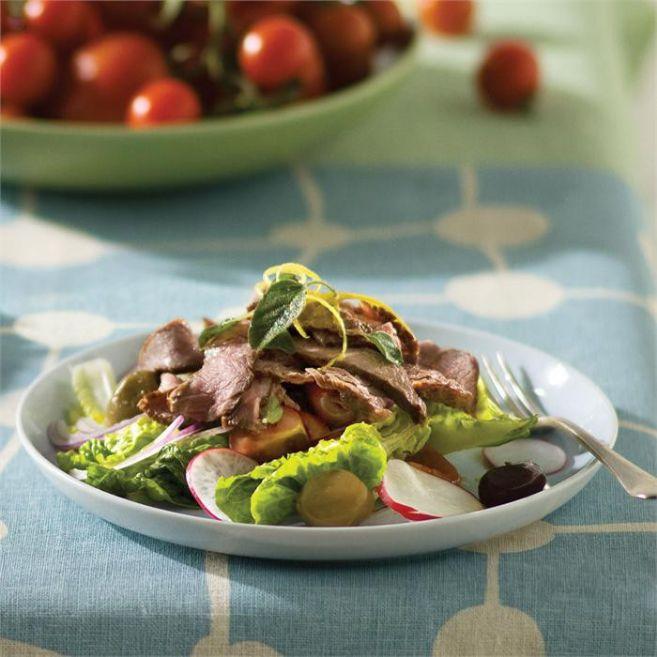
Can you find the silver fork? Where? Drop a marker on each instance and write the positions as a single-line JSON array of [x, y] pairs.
[[512, 397]]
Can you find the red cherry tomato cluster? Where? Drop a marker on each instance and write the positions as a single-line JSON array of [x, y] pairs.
[[508, 78], [151, 62]]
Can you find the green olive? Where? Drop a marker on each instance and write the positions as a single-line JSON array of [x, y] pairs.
[[335, 499], [130, 390]]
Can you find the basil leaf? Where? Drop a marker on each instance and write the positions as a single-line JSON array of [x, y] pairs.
[[281, 304], [273, 411], [386, 344], [283, 342], [213, 331]]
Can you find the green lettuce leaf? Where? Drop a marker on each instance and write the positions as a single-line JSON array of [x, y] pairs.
[[159, 479], [94, 383], [267, 494], [400, 436], [116, 447], [453, 430]]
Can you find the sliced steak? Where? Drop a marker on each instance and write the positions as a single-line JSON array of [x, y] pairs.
[[371, 366], [156, 405], [215, 389], [283, 367], [170, 348], [353, 392], [457, 368], [435, 386], [247, 412]]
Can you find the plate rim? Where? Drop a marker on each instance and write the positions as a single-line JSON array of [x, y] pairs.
[[275, 531]]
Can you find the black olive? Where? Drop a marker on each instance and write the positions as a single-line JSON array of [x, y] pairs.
[[510, 482]]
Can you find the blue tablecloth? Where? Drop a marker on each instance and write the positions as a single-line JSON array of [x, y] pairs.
[[555, 256]]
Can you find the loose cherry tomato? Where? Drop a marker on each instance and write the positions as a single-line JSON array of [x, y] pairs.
[[61, 22], [242, 14], [164, 101], [27, 69], [329, 407], [448, 17], [388, 21], [509, 77], [287, 435], [116, 66], [346, 38], [279, 50]]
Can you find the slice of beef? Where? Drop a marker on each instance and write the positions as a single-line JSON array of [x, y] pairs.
[[353, 392], [170, 348], [459, 368], [156, 405], [371, 366], [168, 381], [215, 389], [435, 386], [247, 412], [283, 367]]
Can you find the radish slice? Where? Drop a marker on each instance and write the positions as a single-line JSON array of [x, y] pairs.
[[548, 457], [417, 495], [204, 470]]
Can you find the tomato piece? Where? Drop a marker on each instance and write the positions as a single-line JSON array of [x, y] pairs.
[[447, 17], [27, 69], [315, 428], [279, 50], [128, 14], [8, 111], [287, 435], [430, 460], [509, 76], [61, 22], [329, 407], [242, 14], [346, 38], [164, 101], [388, 21], [116, 66]]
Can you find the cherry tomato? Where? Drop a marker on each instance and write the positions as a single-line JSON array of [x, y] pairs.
[[509, 76], [315, 428], [27, 69], [388, 21], [93, 24], [81, 103], [61, 22], [346, 38], [279, 50], [287, 435], [128, 14], [329, 407], [116, 66], [164, 101], [8, 111], [242, 14], [447, 17]]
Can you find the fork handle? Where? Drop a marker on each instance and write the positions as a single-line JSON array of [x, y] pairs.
[[633, 479]]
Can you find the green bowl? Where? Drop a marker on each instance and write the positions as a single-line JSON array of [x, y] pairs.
[[60, 155]]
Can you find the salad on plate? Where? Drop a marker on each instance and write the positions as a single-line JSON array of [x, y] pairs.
[[315, 405]]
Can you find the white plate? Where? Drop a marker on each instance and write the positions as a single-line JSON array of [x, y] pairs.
[[563, 390]]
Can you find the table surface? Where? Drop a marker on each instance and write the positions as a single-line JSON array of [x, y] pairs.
[[543, 247]]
